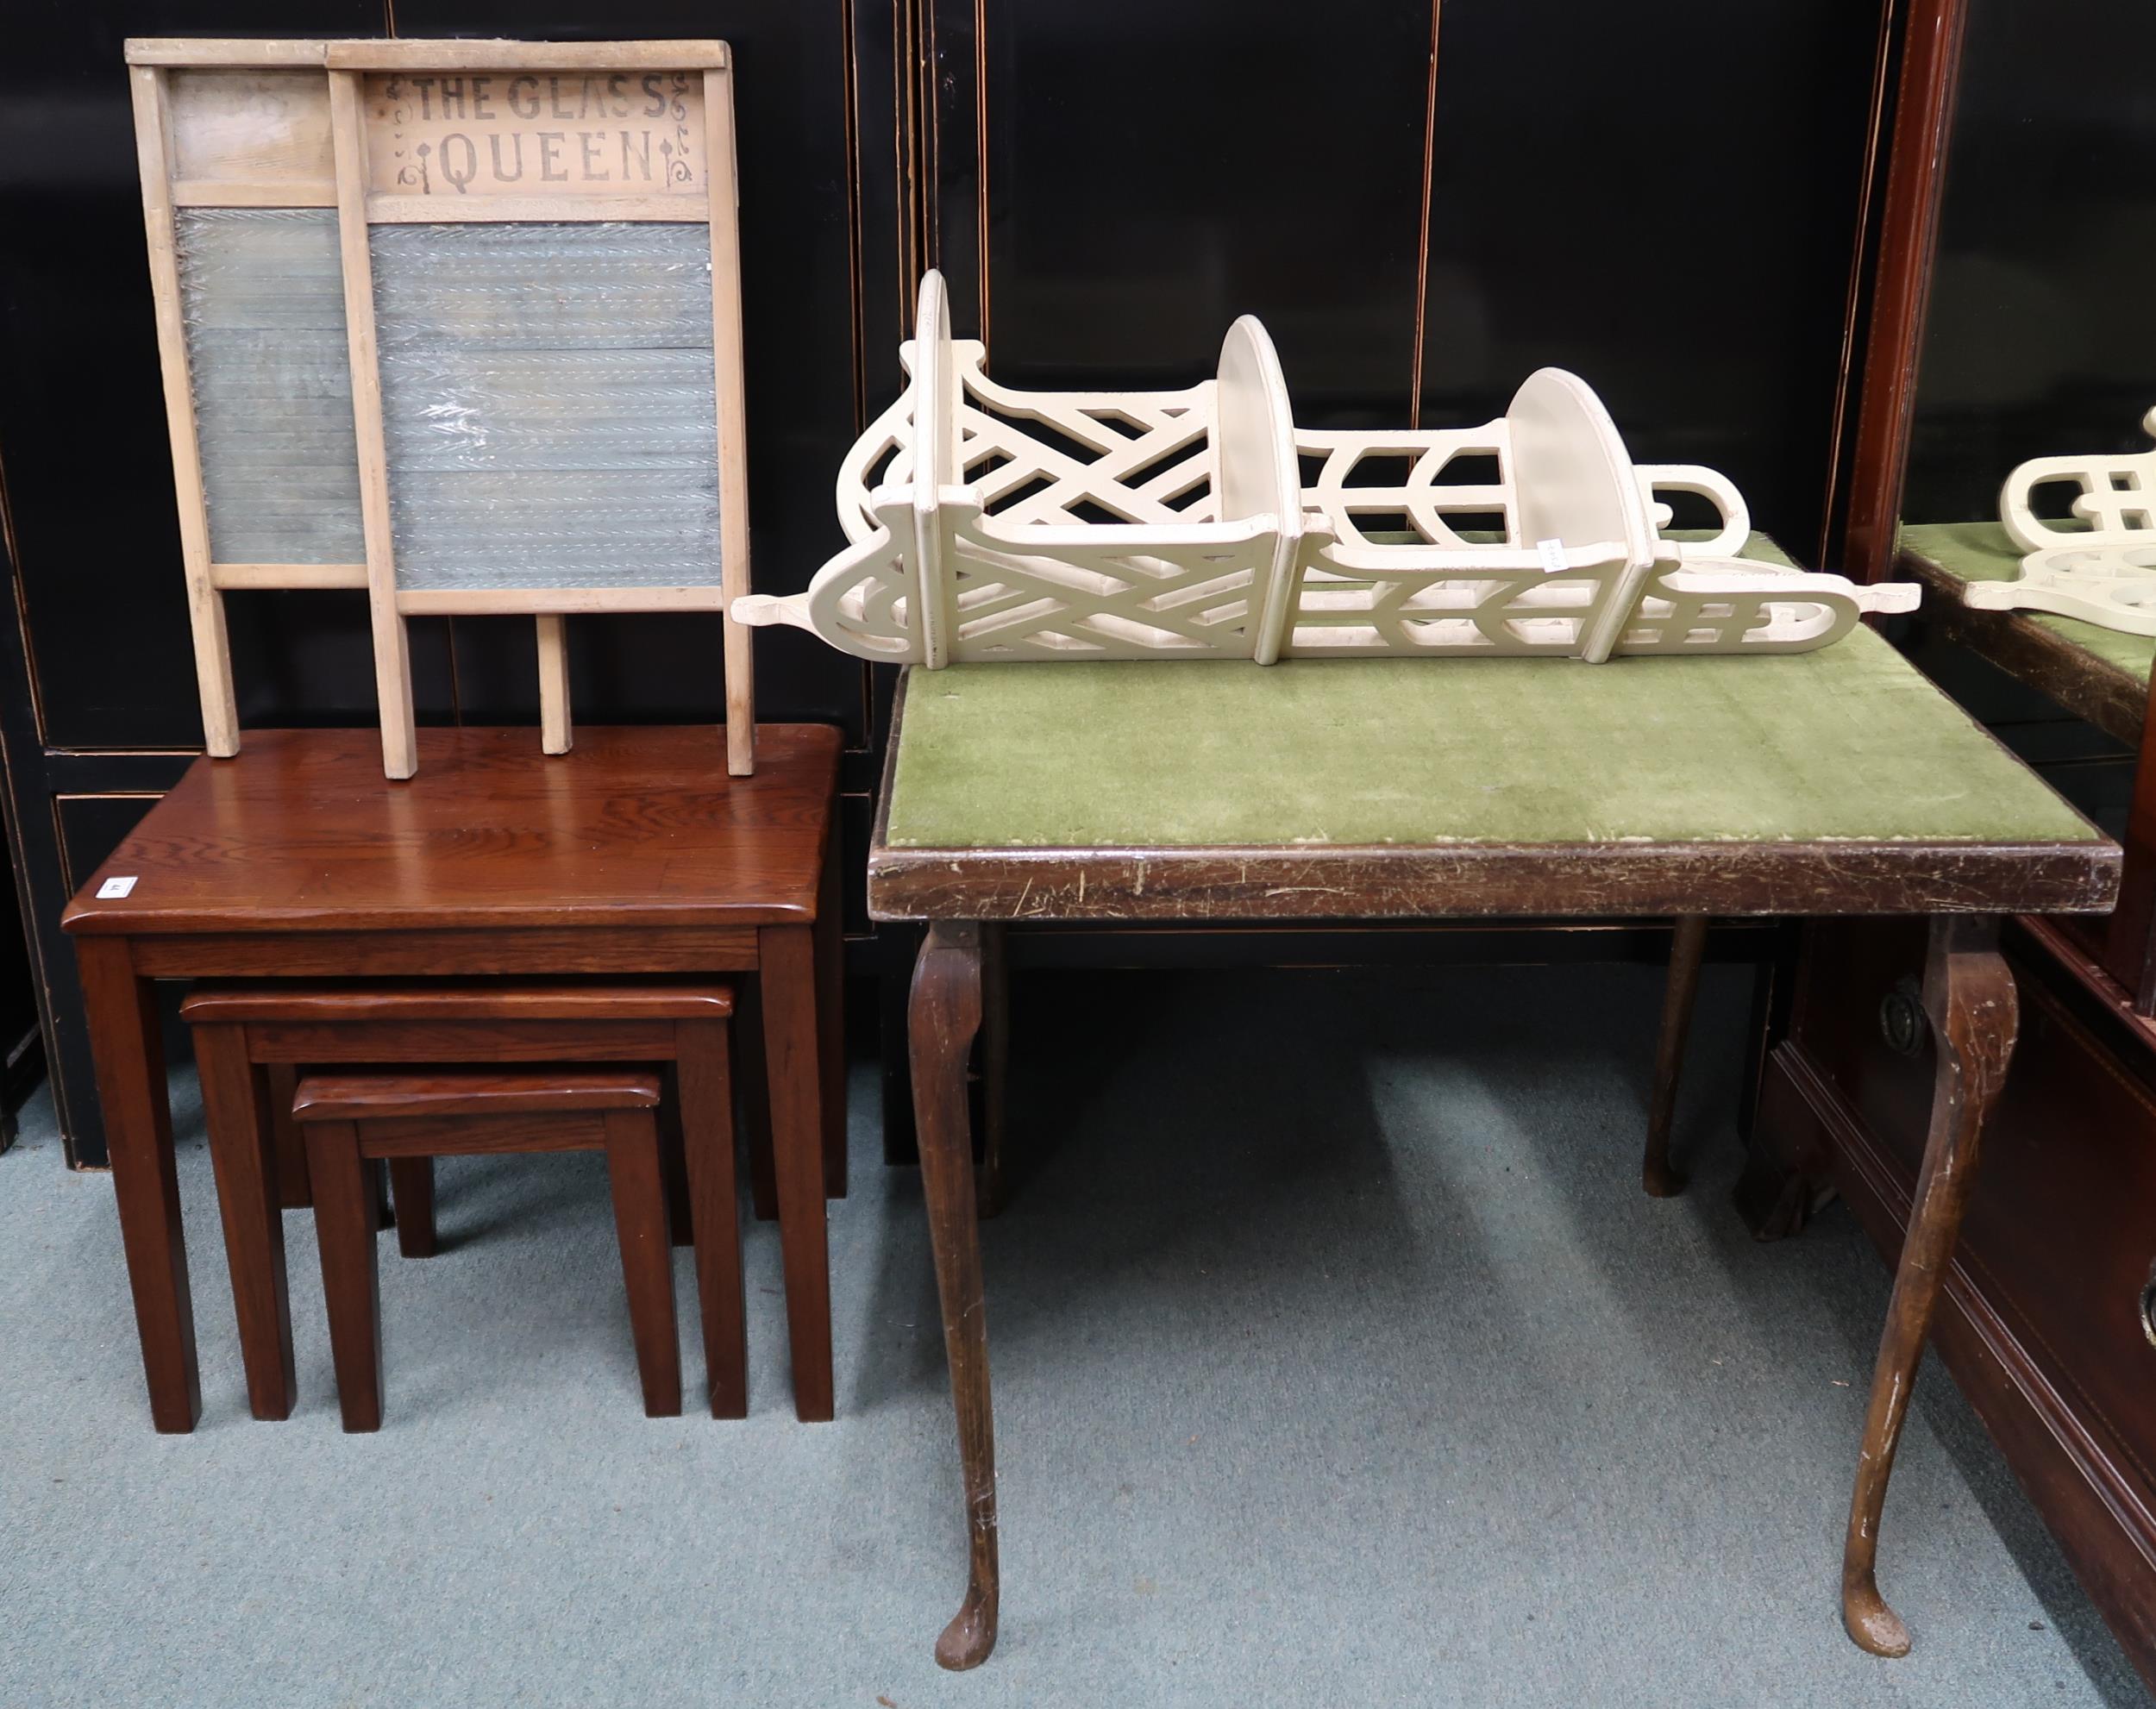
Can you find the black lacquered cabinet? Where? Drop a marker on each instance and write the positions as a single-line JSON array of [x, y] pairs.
[[1424, 203], [97, 679]]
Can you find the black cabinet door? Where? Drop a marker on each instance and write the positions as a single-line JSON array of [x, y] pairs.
[[1424, 203], [97, 698]]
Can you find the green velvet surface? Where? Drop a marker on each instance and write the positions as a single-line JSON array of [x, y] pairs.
[[1847, 742], [1986, 552]]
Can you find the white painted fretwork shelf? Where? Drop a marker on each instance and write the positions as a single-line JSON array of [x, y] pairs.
[[988, 523], [2102, 568]]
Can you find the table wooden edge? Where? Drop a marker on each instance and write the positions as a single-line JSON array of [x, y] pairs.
[[84, 916], [479, 953], [1492, 880], [1476, 880], [2090, 687]]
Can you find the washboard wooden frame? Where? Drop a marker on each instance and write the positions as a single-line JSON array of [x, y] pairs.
[[333, 154], [189, 159]]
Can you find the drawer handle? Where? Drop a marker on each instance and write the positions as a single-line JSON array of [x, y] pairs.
[[1903, 1022]]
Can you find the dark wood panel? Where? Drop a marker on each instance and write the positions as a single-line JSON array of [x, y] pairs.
[[1133, 204], [1663, 198], [33, 848], [1152, 171], [82, 418], [302, 660], [92, 826], [22, 1047], [883, 184]]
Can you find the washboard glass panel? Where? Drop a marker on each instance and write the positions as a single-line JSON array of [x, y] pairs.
[[549, 406], [262, 296]]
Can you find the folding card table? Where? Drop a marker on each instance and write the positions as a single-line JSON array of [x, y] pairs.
[[1834, 782]]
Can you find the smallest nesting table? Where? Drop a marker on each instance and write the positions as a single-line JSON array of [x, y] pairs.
[[634, 854], [370, 1116]]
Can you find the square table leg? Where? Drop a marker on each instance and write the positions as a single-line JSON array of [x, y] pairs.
[[830, 1018], [755, 1098], [293, 1190], [1969, 995], [944, 1015], [638, 1179], [702, 1077], [786, 958], [130, 1054], [345, 1218], [1688, 942], [243, 1151], [754, 1094]]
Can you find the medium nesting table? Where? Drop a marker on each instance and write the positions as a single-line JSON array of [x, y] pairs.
[[1835, 782], [633, 855]]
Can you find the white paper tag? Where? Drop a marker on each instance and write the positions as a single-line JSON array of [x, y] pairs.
[[1552, 553], [112, 889]]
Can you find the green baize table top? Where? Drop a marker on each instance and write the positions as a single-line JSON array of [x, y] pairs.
[[1847, 742]]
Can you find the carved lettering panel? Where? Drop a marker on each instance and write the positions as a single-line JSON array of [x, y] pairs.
[[504, 133]]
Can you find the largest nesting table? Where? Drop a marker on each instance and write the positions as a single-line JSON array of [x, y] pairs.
[[633, 854], [1831, 783]]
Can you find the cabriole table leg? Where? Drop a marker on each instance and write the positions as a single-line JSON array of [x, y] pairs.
[[786, 976], [1969, 995], [944, 1015], [989, 1183]]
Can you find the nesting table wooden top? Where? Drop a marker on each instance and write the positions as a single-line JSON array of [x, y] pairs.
[[633, 827]]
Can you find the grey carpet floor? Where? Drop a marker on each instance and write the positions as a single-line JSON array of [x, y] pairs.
[[1339, 1361]]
